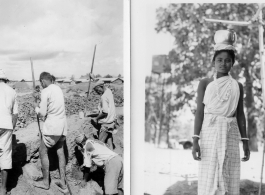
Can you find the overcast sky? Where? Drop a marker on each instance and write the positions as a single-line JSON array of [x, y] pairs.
[[59, 36]]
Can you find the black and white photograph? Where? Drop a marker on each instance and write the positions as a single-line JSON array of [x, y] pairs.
[[63, 72], [204, 98]]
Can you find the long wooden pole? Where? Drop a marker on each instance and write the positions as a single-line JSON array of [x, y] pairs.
[[33, 80], [91, 71]]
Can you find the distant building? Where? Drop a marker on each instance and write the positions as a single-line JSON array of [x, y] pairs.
[[118, 81], [68, 81], [81, 81], [59, 81], [107, 80]]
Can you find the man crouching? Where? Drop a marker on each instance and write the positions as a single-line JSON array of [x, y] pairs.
[[97, 153], [54, 128]]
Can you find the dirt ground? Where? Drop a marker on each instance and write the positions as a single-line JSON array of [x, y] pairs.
[[26, 140], [174, 172], [19, 183]]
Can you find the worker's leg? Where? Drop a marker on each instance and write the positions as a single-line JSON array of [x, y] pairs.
[[103, 134], [120, 191], [61, 158], [5, 156], [43, 151], [4, 179], [112, 175], [110, 141], [96, 126]]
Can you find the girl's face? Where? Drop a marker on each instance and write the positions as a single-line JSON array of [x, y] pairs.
[[223, 62]]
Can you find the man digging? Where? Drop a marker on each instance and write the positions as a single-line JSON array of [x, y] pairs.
[[54, 129], [8, 120], [105, 120], [98, 154]]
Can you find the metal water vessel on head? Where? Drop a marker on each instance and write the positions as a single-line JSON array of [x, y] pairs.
[[228, 37]]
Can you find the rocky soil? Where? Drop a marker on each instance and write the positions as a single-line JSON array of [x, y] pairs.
[[26, 141]]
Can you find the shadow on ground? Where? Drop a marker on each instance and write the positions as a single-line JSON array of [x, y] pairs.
[[19, 155], [247, 187]]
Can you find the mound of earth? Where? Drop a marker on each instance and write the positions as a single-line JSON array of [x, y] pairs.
[[73, 104], [247, 187], [27, 166], [81, 89]]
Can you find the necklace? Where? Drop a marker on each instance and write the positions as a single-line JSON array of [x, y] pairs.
[[228, 92]]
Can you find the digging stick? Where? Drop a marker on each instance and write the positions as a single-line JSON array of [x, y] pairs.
[[33, 80], [91, 70], [70, 192]]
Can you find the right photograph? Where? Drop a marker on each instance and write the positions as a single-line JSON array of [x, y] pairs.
[[204, 99]]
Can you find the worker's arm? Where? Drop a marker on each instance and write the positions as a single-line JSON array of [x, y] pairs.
[[15, 112], [241, 121], [199, 119], [86, 177], [14, 120], [101, 115], [87, 162], [92, 77], [43, 106]]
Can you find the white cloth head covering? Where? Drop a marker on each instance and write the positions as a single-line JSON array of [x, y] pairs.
[[2, 75], [225, 40]]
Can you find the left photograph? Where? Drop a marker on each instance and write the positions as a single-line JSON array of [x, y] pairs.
[[62, 97]]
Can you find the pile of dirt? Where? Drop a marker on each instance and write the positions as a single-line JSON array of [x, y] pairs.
[[27, 166], [73, 104], [247, 187], [82, 88], [26, 112]]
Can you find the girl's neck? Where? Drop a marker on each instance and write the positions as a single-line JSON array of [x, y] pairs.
[[220, 74]]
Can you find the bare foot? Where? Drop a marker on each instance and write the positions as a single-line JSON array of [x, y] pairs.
[[4, 192], [42, 185], [62, 188]]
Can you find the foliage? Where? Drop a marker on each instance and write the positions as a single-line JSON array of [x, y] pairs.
[[193, 50], [108, 76]]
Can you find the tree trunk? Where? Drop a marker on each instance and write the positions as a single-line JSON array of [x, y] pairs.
[[161, 113], [249, 102]]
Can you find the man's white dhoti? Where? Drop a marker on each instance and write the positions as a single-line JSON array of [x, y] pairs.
[[6, 149], [219, 168]]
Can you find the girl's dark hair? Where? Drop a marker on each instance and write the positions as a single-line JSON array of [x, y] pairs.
[[230, 52]]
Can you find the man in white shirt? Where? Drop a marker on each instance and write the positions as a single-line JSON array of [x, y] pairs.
[[98, 154], [8, 119], [54, 128], [105, 121]]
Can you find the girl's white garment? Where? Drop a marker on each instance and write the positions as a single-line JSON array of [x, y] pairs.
[[219, 168]]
